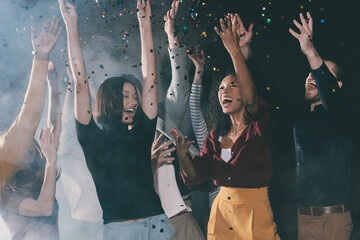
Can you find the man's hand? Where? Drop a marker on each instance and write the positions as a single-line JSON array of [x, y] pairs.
[[306, 34]]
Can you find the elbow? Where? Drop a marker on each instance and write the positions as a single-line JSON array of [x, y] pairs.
[[45, 211]]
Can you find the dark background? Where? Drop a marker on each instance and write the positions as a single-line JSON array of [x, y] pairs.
[[109, 35]]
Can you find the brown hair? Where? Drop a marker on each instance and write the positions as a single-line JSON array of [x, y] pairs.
[[109, 99]]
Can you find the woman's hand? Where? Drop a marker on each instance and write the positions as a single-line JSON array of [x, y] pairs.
[[45, 41], [244, 35], [47, 144], [143, 10], [198, 58], [169, 18], [160, 152], [68, 13], [306, 34], [182, 144], [229, 35]]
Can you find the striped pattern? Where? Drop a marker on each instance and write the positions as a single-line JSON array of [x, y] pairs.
[[199, 126], [197, 119]]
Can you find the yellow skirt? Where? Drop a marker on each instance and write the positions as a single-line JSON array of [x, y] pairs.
[[242, 214]]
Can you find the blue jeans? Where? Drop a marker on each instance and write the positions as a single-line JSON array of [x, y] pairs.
[[156, 227]]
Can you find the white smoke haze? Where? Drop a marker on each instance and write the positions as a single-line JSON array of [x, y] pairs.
[[111, 45]]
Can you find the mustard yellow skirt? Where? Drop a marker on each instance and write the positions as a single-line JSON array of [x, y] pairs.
[[242, 214]]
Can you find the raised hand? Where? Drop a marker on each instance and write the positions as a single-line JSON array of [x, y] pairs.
[[169, 18], [47, 144], [182, 144], [160, 153], [143, 10], [68, 12], [198, 58], [306, 34], [45, 41], [244, 35], [229, 35]]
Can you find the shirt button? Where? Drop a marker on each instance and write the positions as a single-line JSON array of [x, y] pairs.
[[229, 178]]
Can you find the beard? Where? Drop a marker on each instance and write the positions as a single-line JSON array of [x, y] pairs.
[[311, 98]]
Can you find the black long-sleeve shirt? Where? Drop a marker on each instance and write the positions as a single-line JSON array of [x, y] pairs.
[[324, 145]]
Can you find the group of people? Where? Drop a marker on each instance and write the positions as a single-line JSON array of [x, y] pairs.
[[139, 153]]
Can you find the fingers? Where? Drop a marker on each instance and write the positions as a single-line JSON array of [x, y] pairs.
[[41, 135], [251, 26], [158, 141], [165, 145], [57, 34], [51, 66], [172, 10], [298, 25], [54, 28], [52, 24], [239, 20], [52, 136], [223, 28], [46, 25], [168, 151], [187, 141], [228, 22], [217, 31], [175, 133], [295, 34], [165, 159], [177, 3], [169, 17], [304, 24], [310, 22]]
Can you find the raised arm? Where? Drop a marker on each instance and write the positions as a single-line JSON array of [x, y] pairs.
[[230, 38], [149, 99], [16, 142], [197, 119], [43, 206], [330, 92], [54, 109], [77, 63], [306, 41], [177, 95]]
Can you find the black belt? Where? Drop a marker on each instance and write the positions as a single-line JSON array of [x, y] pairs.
[[318, 211]]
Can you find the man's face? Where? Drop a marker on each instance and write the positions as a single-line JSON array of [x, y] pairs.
[[311, 91]]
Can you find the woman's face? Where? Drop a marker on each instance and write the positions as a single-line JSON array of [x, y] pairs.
[[130, 102], [229, 95]]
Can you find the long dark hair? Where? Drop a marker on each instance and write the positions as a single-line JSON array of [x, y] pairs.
[[109, 99], [215, 117]]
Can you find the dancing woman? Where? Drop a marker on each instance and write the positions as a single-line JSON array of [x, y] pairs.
[[118, 153], [236, 154]]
